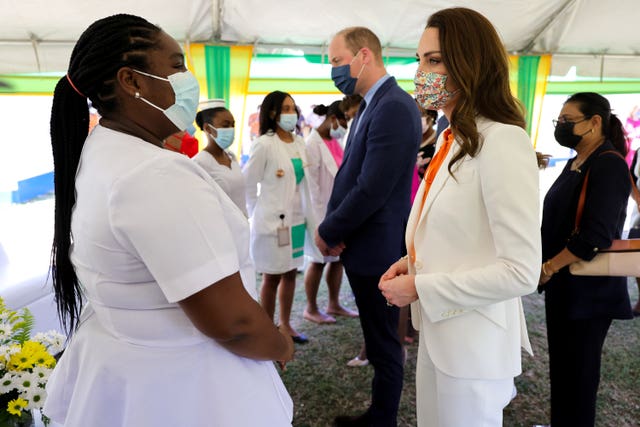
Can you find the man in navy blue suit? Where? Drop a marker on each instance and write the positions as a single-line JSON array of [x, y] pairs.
[[369, 206]]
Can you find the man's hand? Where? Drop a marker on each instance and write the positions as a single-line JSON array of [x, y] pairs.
[[325, 249]]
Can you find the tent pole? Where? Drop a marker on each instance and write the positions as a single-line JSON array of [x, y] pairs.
[[34, 43], [546, 26], [217, 19]]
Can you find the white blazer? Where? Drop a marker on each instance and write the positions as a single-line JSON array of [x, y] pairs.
[[478, 250]]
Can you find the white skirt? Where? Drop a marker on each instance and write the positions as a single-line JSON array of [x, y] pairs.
[[104, 381]]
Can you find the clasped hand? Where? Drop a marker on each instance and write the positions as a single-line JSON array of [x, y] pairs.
[[397, 286], [325, 249]]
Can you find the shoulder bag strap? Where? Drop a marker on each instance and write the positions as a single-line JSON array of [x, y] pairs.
[[583, 191]]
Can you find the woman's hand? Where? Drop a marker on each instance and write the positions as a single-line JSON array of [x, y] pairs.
[[288, 356], [399, 290], [546, 271], [397, 268]]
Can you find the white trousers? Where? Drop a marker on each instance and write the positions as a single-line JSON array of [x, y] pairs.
[[445, 401]]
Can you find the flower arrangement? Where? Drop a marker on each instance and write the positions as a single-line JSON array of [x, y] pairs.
[[25, 365]]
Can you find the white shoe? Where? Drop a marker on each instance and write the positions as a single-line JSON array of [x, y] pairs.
[[356, 361]]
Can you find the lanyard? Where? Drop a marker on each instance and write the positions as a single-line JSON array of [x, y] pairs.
[[429, 176]]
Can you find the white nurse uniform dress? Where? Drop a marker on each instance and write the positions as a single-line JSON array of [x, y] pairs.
[[151, 228]]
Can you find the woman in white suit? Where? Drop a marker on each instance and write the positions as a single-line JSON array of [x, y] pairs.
[[473, 235], [280, 212], [325, 157]]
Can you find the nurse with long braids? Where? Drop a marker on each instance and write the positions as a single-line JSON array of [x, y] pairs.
[[150, 259]]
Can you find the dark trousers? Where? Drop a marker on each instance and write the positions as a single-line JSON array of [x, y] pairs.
[[575, 351], [380, 329]]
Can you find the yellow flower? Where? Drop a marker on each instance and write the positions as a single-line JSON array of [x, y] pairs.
[[16, 406], [45, 359], [31, 354]]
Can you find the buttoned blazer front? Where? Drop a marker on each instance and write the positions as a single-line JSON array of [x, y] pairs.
[[370, 201], [477, 243]]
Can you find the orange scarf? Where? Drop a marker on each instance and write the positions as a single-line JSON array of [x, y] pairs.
[[429, 176]]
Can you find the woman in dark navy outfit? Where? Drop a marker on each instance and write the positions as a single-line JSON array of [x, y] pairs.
[[580, 309]]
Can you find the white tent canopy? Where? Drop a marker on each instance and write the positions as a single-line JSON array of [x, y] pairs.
[[599, 37]]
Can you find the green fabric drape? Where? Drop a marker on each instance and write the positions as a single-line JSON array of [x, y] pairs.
[[527, 81], [218, 58]]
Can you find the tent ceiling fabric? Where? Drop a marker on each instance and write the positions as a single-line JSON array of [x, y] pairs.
[[38, 35]]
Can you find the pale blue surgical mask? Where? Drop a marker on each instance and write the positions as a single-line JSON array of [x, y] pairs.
[[338, 133], [225, 137], [288, 121], [187, 93]]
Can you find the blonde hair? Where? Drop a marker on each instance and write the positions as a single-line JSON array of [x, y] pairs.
[[358, 37]]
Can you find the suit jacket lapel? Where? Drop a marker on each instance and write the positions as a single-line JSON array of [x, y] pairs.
[[372, 105], [443, 174], [440, 180]]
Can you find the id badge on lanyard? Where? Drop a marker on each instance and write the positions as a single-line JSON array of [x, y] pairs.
[[284, 233]]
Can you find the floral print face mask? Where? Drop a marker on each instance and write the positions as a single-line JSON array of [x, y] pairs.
[[430, 90]]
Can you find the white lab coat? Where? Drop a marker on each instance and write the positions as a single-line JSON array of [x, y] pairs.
[[268, 156], [321, 172]]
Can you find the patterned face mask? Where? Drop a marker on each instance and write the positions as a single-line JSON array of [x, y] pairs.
[[430, 90]]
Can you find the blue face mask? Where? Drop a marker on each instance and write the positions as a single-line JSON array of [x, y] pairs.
[[187, 93], [337, 133], [288, 121], [342, 79], [225, 137]]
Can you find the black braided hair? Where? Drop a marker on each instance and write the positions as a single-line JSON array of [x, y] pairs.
[[106, 46]]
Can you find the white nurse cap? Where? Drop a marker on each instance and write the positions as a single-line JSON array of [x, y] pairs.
[[211, 103]]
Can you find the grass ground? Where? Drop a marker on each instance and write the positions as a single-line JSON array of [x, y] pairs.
[[322, 386]]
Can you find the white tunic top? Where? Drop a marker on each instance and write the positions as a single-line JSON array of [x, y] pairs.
[[230, 179], [151, 228]]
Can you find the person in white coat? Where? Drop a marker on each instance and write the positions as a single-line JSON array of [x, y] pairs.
[[473, 235], [218, 124], [280, 212], [324, 154]]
